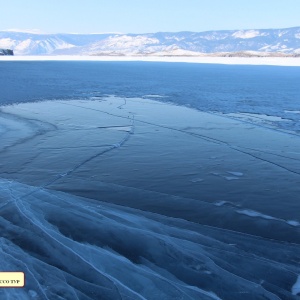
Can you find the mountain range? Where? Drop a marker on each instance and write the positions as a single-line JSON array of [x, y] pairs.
[[223, 42]]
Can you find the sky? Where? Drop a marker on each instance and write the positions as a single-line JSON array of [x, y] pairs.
[[145, 16]]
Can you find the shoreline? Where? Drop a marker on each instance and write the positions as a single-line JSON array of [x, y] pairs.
[[270, 61]]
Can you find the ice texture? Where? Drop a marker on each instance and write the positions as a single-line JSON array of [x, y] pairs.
[[127, 198], [74, 247]]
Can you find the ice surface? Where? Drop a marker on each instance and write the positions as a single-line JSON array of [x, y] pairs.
[[114, 198]]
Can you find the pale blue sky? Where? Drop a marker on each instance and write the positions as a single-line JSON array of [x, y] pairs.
[[141, 16]]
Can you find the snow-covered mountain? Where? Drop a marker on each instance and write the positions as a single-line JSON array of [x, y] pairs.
[[285, 41]]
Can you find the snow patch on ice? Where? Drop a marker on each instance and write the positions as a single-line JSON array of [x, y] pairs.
[[231, 178], [264, 117], [221, 203], [215, 173], [296, 287], [292, 111], [235, 176], [252, 213], [235, 173], [32, 294], [197, 180], [293, 223], [213, 295], [154, 96]]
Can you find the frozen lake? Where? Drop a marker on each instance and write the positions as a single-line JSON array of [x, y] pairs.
[[113, 192]]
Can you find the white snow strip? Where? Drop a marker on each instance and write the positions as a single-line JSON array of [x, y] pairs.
[[252, 213], [296, 287], [275, 61], [154, 96], [292, 111]]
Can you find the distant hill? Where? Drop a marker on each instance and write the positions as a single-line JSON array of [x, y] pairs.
[[255, 42], [6, 52]]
